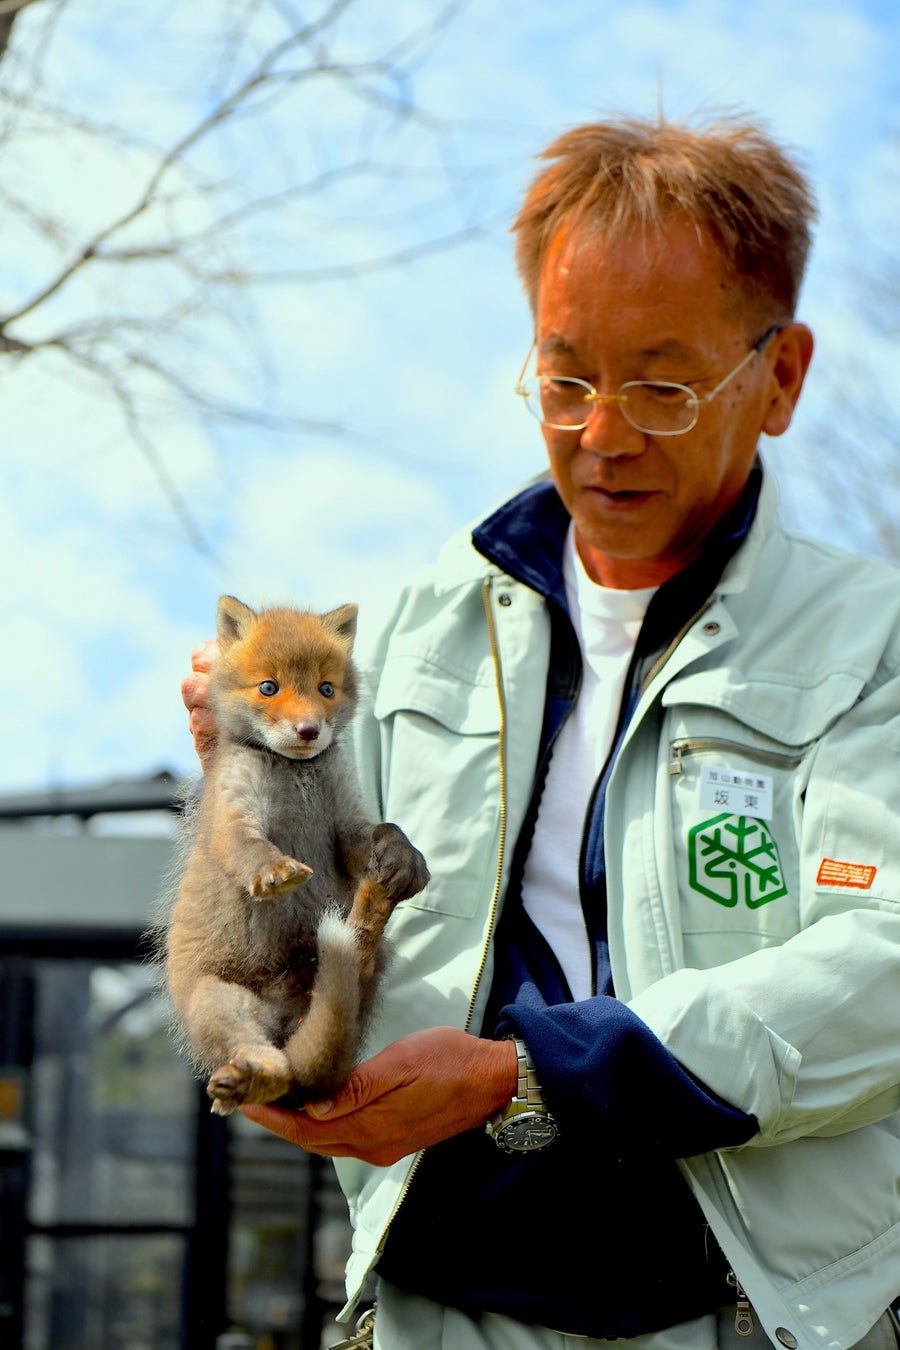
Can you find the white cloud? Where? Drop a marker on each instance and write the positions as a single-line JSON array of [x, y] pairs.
[[317, 528]]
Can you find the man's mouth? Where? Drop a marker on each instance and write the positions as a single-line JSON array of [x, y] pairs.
[[622, 496]]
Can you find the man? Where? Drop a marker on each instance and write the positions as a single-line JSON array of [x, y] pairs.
[[648, 745]]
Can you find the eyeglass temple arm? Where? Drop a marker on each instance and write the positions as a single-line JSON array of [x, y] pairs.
[[754, 351], [521, 375]]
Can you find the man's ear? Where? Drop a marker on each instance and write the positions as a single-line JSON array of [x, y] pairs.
[[793, 349]]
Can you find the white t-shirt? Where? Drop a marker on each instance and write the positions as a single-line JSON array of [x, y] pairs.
[[607, 624]]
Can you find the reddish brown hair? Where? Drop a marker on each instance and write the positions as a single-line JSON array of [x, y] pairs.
[[729, 177]]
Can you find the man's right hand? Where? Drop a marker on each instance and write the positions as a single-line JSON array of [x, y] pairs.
[[195, 696]]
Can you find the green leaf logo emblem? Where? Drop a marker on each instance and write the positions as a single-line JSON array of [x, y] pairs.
[[735, 858]]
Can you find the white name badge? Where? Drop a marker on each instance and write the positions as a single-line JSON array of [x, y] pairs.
[[735, 791]]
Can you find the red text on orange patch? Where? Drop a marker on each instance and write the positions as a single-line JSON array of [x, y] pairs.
[[834, 873]]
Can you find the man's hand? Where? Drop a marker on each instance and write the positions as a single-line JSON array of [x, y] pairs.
[[195, 695], [414, 1093]]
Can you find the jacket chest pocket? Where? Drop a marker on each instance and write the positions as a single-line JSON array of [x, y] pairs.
[[736, 811], [440, 736]]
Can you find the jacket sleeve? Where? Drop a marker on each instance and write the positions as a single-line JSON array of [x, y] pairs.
[[609, 1079], [805, 1036]]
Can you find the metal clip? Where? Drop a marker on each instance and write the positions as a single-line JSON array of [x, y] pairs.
[[743, 1317], [364, 1336]]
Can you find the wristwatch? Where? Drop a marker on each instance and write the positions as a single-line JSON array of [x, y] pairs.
[[525, 1125]]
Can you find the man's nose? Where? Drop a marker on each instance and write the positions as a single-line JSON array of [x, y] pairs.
[[608, 431]]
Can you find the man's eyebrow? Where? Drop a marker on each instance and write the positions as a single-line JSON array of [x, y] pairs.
[[554, 344], [667, 347]]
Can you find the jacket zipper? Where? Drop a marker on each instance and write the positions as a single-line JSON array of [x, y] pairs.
[[363, 1336], [744, 1323], [501, 849], [501, 844], [680, 749]]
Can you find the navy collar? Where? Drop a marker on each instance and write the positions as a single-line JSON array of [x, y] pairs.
[[525, 537]]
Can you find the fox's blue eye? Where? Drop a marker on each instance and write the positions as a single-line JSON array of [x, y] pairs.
[[326, 689], [267, 688]]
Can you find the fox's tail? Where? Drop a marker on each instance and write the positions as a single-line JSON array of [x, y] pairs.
[[323, 1048]]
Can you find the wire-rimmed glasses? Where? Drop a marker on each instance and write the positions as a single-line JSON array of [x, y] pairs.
[[655, 407]]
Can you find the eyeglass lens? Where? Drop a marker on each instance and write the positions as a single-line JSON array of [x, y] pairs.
[[649, 407]]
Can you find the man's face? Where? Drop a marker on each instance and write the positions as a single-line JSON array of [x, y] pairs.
[[653, 308]]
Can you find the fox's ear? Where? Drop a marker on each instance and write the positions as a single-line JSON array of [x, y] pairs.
[[342, 622], [233, 620]]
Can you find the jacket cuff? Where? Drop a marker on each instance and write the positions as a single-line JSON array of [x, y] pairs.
[[604, 1073]]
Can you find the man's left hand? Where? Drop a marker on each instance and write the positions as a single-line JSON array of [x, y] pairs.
[[414, 1093]]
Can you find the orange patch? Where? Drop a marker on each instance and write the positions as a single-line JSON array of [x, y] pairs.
[[834, 873], [10, 1099]]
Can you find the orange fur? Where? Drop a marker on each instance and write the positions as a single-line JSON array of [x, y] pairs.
[[274, 945]]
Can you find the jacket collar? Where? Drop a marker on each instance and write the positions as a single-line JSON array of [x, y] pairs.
[[524, 537]]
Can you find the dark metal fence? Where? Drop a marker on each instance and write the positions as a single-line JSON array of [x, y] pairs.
[[130, 1217]]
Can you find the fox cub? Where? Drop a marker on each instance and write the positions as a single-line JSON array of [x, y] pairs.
[[273, 949]]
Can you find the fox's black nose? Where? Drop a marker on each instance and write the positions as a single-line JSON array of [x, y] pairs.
[[307, 731]]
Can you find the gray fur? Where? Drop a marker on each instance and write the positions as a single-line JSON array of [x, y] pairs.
[[274, 947]]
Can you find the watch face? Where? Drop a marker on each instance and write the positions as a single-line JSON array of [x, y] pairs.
[[531, 1130]]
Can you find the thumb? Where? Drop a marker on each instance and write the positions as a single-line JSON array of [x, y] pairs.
[[357, 1091]]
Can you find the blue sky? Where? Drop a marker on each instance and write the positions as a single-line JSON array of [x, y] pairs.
[[104, 595]]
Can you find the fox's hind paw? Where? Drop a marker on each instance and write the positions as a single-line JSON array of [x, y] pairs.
[[247, 1081], [277, 878]]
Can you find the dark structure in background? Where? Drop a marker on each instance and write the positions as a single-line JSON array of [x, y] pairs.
[[130, 1217]]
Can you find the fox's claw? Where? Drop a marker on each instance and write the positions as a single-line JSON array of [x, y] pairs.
[[279, 877], [246, 1080], [396, 864]]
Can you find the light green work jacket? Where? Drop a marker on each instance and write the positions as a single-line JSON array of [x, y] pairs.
[[752, 840]]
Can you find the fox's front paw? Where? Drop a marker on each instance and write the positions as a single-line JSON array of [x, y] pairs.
[[277, 878], [399, 867], [248, 1080]]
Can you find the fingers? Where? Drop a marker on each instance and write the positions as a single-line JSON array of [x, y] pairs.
[[331, 1139], [203, 656], [361, 1087], [195, 697], [287, 1124], [194, 687], [312, 1136]]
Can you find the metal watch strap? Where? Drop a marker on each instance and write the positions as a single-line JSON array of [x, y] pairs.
[[528, 1089], [524, 1124]]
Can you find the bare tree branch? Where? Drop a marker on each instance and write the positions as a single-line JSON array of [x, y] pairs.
[[140, 436], [365, 267], [145, 298]]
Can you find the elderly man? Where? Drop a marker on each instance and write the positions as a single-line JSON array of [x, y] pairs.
[[648, 743]]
